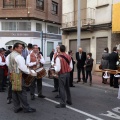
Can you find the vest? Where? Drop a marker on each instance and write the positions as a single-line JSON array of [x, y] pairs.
[[4, 66], [13, 67], [34, 58], [65, 67]]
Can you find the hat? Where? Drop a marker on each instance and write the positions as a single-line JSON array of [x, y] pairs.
[[1, 50]]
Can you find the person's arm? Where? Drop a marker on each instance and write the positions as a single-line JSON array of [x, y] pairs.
[[7, 60], [28, 63], [42, 60], [21, 64], [71, 64], [57, 65], [52, 62], [1, 63]]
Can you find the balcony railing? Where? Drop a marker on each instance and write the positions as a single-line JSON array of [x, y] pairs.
[[87, 18]]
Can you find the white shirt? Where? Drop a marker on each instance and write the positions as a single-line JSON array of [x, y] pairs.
[[1, 63], [20, 62], [52, 62], [28, 63], [58, 65]]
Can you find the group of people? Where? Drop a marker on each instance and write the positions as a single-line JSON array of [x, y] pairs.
[[109, 61]]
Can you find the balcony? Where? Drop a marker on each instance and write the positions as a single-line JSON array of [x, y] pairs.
[[69, 20]]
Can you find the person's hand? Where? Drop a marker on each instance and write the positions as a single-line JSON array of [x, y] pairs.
[[84, 65]]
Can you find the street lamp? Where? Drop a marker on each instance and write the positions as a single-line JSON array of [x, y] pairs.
[[78, 25]]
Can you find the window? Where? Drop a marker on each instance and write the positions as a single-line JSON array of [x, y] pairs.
[[8, 25], [50, 46], [52, 29], [16, 26], [14, 3], [54, 7], [24, 26], [38, 27], [40, 4]]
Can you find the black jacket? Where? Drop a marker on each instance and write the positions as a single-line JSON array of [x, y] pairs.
[[73, 62], [80, 62], [89, 64], [7, 53], [113, 58], [51, 55]]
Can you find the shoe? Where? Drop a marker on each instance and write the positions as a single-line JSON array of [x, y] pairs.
[[69, 103], [30, 110], [2, 91], [72, 86], [18, 110], [60, 106], [55, 90], [32, 97], [41, 96], [116, 86], [57, 96], [9, 101], [78, 81]]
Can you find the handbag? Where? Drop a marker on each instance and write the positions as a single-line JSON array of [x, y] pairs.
[[16, 80], [100, 66]]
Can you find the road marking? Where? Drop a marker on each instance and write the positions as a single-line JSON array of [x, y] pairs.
[[46, 84], [74, 109]]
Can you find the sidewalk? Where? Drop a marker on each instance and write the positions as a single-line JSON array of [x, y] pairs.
[[97, 82]]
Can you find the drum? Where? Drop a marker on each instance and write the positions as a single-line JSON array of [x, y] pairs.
[[28, 79], [52, 74], [41, 72]]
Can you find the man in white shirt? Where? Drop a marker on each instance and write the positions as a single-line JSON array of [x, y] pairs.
[[35, 60], [63, 66], [16, 65]]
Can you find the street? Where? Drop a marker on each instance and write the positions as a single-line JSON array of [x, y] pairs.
[[89, 103]]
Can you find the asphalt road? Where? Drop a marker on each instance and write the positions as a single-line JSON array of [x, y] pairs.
[[89, 103]]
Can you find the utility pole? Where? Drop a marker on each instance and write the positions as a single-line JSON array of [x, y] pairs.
[[79, 25]]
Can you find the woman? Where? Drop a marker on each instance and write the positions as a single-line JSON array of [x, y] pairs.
[[105, 63]]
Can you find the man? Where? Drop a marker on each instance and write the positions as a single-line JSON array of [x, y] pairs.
[[30, 48], [8, 51], [3, 70], [56, 82], [63, 66], [113, 58], [71, 73], [16, 65], [34, 61], [81, 58], [51, 54]]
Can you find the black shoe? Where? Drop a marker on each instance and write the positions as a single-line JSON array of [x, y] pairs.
[[116, 86], [41, 96], [57, 96], [60, 106], [55, 90], [30, 110], [2, 91], [18, 110], [69, 103], [9, 101], [72, 86], [32, 97]]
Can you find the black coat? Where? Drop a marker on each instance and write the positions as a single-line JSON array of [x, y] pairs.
[[89, 64], [113, 58], [51, 55], [80, 62]]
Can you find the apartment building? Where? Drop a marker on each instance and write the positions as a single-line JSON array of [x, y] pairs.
[[96, 24], [31, 21]]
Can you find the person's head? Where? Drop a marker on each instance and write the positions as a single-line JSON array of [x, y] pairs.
[[62, 48], [58, 48], [35, 49], [30, 46], [89, 55], [115, 49], [23, 46], [10, 48], [18, 47], [2, 51], [80, 50], [70, 52], [53, 50], [106, 49]]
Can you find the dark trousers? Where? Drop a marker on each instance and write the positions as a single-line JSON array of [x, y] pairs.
[[39, 87], [64, 88], [113, 81], [2, 78], [71, 78], [88, 73], [56, 83], [9, 90], [83, 73], [20, 97]]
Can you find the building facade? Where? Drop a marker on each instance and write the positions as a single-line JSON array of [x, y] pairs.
[[96, 24], [31, 21]]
